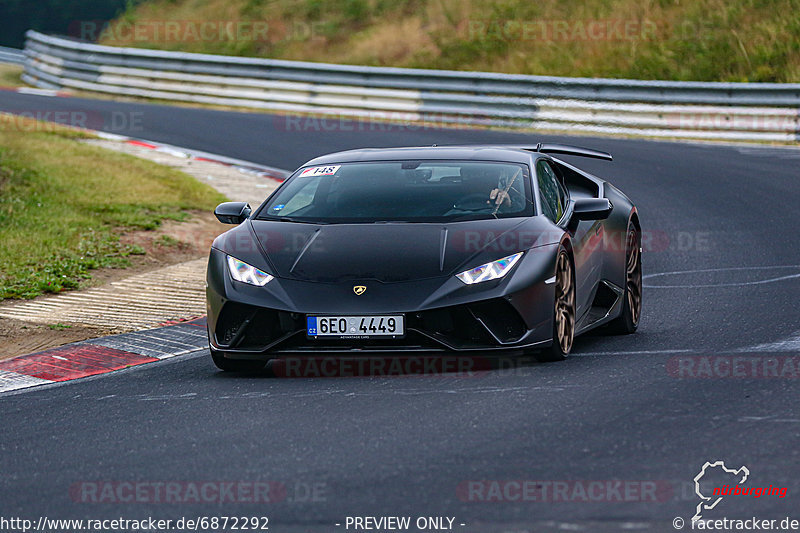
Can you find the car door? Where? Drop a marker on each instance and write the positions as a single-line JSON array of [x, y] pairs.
[[555, 200]]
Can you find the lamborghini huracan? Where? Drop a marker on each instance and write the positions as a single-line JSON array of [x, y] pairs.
[[443, 249]]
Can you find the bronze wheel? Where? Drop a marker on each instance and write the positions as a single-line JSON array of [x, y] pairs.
[[628, 320], [564, 310], [633, 276]]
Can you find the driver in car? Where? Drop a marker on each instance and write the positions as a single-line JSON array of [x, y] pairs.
[[505, 192]]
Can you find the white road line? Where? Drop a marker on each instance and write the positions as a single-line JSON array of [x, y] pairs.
[[634, 352], [792, 344], [728, 269], [38, 92]]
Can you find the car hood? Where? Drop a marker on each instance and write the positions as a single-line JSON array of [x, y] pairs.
[[393, 252]]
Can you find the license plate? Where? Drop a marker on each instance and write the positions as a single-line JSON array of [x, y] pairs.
[[360, 327]]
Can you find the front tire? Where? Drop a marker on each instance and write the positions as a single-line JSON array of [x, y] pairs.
[[563, 311], [628, 321], [235, 365]]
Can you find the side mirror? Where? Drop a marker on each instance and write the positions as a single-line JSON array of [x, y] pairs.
[[232, 212], [591, 209]]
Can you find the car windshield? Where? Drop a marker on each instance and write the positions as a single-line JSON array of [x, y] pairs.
[[403, 191]]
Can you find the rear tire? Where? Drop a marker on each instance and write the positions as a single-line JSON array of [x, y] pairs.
[[628, 321], [235, 365], [563, 311]]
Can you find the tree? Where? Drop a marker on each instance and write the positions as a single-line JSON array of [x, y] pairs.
[[52, 16]]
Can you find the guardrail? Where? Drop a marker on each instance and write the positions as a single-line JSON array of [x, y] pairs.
[[700, 110], [11, 55]]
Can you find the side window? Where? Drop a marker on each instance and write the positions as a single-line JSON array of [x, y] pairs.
[[562, 184], [551, 192]]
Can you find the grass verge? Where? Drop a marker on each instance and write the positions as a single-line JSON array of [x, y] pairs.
[[64, 203], [712, 40], [10, 75]]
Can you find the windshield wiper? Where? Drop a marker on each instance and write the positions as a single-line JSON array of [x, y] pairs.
[[296, 220], [486, 208]]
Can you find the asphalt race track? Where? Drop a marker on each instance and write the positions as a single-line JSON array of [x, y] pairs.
[[722, 267]]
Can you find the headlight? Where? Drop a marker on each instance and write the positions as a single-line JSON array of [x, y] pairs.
[[241, 271], [494, 270]]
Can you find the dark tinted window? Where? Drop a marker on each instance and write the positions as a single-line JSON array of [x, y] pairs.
[[552, 193], [410, 191]]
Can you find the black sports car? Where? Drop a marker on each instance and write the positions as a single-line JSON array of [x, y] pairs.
[[459, 249]]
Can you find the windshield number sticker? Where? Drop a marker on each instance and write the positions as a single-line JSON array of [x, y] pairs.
[[320, 171]]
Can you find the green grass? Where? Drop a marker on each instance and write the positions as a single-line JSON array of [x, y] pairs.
[[713, 40], [10, 75], [63, 204], [167, 241]]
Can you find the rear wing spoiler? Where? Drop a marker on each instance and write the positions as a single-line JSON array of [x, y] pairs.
[[566, 149]]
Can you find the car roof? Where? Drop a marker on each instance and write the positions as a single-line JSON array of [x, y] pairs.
[[461, 152]]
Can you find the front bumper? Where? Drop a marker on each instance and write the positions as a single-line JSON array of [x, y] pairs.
[[441, 315]]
